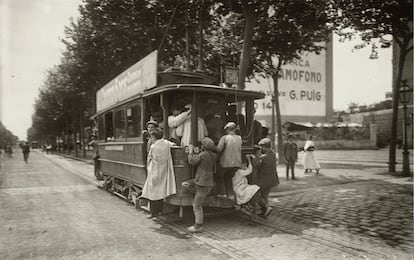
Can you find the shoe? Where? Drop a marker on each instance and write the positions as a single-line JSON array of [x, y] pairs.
[[293, 178], [246, 211], [221, 196], [231, 197], [151, 216], [268, 212], [317, 171], [265, 213], [195, 229]]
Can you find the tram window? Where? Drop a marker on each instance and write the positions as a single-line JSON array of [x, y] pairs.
[[120, 124], [101, 135], [134, 121], [109, 128]]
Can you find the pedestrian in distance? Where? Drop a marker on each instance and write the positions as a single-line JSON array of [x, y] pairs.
[[266, 163], [309, 161], [203, 180], [290, 153], [9, 150], [230, 161], [26, 151], [249, 196], [160, 182]]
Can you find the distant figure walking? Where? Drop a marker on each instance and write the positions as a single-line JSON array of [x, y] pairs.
[[309, 161], [26, 151], [290, 152], [96, 163], [9, 150]]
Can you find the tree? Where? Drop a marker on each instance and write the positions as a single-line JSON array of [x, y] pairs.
[[6, 136], [287, 30], [380, 19]]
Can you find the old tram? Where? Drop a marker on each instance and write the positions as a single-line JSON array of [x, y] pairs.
[[141, 93]]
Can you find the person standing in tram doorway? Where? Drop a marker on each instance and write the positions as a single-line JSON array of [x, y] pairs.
[[160, 182], [309, 161], [26, 151], [290, 153]]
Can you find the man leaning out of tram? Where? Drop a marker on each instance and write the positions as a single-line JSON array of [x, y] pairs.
[[203, 179], [184, 130]]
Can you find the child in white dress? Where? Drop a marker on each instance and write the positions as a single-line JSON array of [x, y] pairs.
[[248, 196]]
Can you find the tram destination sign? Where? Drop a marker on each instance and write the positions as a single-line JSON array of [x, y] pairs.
[[137, 78]]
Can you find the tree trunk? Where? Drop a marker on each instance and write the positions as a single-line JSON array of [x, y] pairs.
[[187, 43], [200, 43], [278, 118], [251, 19], [395, 103]]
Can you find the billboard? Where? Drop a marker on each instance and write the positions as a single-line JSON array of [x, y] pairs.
[[302, 88], [137, 78]]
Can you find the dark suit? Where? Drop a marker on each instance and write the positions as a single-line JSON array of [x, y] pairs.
[[266, 175], [290, 153]]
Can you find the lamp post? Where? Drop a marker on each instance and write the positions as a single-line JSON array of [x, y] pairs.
[[405, 97]]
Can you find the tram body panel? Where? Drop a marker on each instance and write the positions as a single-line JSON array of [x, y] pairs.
[[123, 161]]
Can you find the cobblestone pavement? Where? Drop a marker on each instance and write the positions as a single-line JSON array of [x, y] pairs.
[[363, 220], [369, 216]]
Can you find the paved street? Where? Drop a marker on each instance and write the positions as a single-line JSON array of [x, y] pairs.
[[344, 213], [48, 212]]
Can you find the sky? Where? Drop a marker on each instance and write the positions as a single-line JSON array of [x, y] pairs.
[[30, 44]]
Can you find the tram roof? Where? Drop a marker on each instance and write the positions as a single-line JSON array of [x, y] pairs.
[[203, 88]]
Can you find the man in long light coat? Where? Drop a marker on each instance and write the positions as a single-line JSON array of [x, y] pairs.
[[160, 182]]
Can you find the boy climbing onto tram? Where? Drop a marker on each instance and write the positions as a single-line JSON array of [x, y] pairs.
[[206, 162]]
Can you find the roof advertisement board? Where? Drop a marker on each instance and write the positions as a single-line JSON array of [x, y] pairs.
[[302, 88], [137, 78]]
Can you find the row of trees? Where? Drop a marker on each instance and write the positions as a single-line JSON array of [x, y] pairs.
[[6, 136], [258, 37]]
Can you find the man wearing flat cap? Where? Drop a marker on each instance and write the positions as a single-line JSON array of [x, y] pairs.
[[266, 169], [290, 153], [230, 146]]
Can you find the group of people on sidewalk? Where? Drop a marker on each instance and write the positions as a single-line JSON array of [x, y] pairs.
[[290, 153]]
